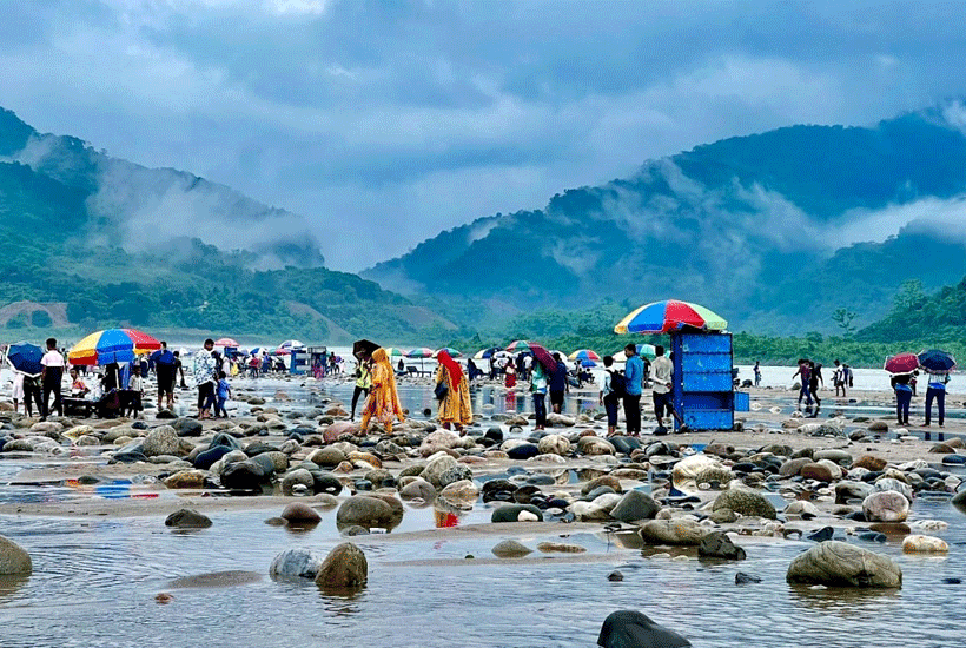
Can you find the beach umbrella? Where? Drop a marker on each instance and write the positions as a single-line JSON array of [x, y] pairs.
[[935, 360], [288, 345], [25, 357], [670, 315], [226, 342], [453, 353], [485, 354], [424, 352], [646, 351], [902, 363], [393, 352], [519, 345], [112, 345], [584, 355], [363, 346]]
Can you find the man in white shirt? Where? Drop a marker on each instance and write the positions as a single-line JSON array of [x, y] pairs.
[[662, 369], [52, 375]]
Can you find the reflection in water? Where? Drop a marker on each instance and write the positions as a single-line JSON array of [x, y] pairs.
[[844, 602], [10, 584]]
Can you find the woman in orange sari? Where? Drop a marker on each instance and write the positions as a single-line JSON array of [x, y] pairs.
[[454, 409], [383, 401]]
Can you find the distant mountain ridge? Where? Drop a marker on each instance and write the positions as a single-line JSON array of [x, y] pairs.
[[751, 226]]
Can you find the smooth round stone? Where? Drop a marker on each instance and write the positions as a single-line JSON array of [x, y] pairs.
[[954, 460], [541, 479]]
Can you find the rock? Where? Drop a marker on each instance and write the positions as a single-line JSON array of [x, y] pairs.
[[554, 444], [345, 568], [605, 480], [673, 532], [438, 465], [523, 451], [822, 535], [615, 576], [690, 467], [723, 516], [510, 549], [891, 483], [560, 547], [327, 457], [420, 489], [634, 506], [187, 519], [460, 491], [337, 430], [924, 544], [326, 483], [710, 475], [295, 563], [870, 462], [742, 578], [594, 446], [161, 441], [793, 467], [802, 508], [365, 511], [243, 475], [886, 506], [186, 479], [631, 629], [13, 559], [598, 509], [849, 490], [834, 455], [299, 513], [512, 513], [878, 426], [457, 473], [818, 471], [297, 476], [839, 564], [206, 459], [959, 501], [745, 502], [718, 545], [187, 427]]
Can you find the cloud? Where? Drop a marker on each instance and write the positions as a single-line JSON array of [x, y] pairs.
[[396, 120]]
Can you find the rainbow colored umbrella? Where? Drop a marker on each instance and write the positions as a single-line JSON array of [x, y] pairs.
[[420, 353], [485, 354], [393, 352], [518, 345], [453, 353], [112, 345], [585, 354], [670, 315]]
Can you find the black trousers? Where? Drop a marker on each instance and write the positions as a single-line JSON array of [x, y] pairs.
[[355, 398], [52, 386], [632, 413], [31, 395], [205, 391]]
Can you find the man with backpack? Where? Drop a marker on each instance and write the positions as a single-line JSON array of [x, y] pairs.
[[613, 390], [633, 379]]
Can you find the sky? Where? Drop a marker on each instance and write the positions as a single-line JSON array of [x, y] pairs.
[[384, 123]]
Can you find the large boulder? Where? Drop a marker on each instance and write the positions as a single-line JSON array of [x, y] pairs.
[[839, 564], [924, 544], [298, 476], [634, 506], [851, 490], [555, 444], [745, 502], [161, 441], [364, 511], [719, 545], [793, 467], [631, 629], [870, 462], [300, 513], [594, 446], [673, 532], [345, 568], [187, 519], [690, 467], [328, 457], [435, 468], [243, 475], [295, 563], [186, 479], [207, 458], [886, 506], [13, 559], [512, 513], [188, 427], [418, 489]]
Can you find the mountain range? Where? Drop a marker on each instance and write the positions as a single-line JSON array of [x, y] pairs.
[[775, 231]]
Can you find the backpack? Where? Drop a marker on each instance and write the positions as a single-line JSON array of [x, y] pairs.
[[618, 384]]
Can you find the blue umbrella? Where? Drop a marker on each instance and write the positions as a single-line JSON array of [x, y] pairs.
[[25, 357], [935, 360]]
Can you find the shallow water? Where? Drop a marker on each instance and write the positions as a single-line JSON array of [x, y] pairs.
[[95, 581]]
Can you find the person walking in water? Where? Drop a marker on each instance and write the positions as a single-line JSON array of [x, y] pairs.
[[383, 401], [803, 390], [814, 377], [900, 384], [936, 391], [363, 381], [454, 408], [758, 373], [633, 378], [558, 384], [538, 388]]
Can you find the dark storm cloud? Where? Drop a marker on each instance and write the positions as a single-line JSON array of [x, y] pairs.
[[394, 120]]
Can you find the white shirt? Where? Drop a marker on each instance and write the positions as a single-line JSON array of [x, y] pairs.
[[52, 359], [661, 369], [136, 383]]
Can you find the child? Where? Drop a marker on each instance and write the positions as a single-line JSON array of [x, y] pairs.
[[224, 393], [17, 391], [136, 387]]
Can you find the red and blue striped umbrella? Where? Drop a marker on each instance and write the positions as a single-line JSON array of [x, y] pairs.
[[518, 345], [112, 345], [670, 315], [424, 352]]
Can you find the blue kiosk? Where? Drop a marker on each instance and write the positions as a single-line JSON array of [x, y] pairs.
[[703, 381]]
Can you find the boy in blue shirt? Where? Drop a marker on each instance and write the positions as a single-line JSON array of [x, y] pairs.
[[224, 393]]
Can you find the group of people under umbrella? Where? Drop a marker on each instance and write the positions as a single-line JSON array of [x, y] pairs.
[[905, 369]]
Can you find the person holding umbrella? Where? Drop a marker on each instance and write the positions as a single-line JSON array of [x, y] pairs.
[[937, 364], [454, 408], [900, 384]]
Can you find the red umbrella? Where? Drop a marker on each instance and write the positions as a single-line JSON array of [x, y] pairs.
[[543, 356], [902, 363], [226, 342]]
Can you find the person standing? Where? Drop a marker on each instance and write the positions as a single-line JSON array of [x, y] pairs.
[[633, 382], [803, 389], [164, 363], [18, 393], [52, 375], [383, 401], [32, 394], [814, 377], [538, 389], [510, 376], [610, 394], [135, 387], [758, 372], [558, 384], [936, 382], [900, 384], [662, 370], [224, 393], [204, 368], [363, 381], [454, 408]]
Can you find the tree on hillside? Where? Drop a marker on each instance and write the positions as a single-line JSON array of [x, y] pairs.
[[843, 317]]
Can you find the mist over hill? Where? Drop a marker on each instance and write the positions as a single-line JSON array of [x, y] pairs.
[[776, 231]]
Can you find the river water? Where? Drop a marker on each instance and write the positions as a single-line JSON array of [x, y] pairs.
[[95, 581]]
